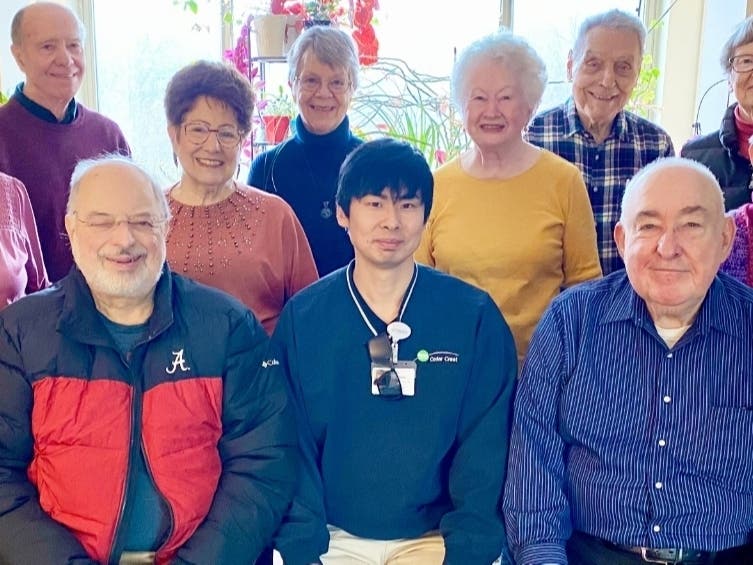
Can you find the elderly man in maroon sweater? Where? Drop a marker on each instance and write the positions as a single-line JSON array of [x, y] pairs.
[[44, 132]]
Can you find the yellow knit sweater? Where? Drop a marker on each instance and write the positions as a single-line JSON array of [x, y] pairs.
[[521, 239]]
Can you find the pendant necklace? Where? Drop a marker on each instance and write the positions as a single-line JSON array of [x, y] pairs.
[[326, 212]]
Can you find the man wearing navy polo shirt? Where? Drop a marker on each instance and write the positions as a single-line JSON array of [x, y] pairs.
[[402, 378], [634, 414]]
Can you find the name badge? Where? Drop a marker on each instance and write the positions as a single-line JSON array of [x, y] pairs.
[[396, 380]]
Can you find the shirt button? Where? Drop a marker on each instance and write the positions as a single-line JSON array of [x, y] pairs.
[[667, 399], [596, 189], [658, 484], [597, 157], [669, 355], [656, 528], [662, 443]]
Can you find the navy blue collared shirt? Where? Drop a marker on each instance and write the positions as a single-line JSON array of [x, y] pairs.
[[43, 113], [606, 167], [623, 438]]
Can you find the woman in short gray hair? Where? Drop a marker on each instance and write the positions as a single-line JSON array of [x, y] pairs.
[[508, 217], [323, 75], [725, 151]]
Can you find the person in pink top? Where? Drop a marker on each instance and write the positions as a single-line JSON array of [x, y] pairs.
[[21, 266]]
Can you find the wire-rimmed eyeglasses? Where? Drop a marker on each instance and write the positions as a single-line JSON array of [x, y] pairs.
[[741, 63], [104, 223], [312, 84], [198, 133]]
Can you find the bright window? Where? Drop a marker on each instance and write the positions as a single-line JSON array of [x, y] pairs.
[[550, 27], [138, 49]]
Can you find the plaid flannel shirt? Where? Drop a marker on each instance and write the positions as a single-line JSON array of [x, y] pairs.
[[606, 167]]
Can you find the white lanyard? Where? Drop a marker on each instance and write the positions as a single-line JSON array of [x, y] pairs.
[[360, 308]]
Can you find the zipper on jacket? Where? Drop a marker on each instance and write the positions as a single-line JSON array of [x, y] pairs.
[[136, 449], [171, 526], [126, 483], [133, 448]]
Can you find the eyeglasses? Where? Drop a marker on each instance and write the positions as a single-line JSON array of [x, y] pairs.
[[380, 353], [198, 133], [741, 63], [104, 223], [313, 84]]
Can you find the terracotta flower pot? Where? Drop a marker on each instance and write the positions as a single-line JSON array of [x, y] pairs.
[[275, 128]]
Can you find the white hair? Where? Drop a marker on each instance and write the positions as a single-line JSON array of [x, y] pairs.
[[510, 50], [614, 20], [85, 166]]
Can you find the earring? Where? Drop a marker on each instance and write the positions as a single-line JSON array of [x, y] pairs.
[[238, 171], [175, 159]]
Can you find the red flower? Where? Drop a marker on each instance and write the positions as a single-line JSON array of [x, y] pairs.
[[364, 34], [277, 7], [293, 7]]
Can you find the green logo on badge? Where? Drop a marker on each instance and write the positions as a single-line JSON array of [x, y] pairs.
[[422, 356]]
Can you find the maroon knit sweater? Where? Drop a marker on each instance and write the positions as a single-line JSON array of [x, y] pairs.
[[42, 155]]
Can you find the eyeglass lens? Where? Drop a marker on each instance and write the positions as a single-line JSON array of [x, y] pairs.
[[742, 63]]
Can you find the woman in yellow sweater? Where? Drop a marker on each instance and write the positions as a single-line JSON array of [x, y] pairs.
[[508, 217]]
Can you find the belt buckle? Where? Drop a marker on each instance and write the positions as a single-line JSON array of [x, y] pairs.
[[662, 556]]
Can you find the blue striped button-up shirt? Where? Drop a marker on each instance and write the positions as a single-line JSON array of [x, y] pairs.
[[606, 167], [623, 438]]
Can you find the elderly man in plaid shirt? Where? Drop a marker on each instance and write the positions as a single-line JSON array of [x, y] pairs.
[[593, 130]]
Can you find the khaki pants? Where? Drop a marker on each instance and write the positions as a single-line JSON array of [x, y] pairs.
[[137, 558], [347, 549]]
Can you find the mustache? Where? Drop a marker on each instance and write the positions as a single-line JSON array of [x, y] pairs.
[[131, 253]]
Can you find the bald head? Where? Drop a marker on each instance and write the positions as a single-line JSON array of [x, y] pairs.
[[44, 10], [695, 180]]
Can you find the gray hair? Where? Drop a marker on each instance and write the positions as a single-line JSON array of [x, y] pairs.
[[504, 48], [743, 34], [614, 20], [331, 46], [16, 24], [85, 166], [643, 175]]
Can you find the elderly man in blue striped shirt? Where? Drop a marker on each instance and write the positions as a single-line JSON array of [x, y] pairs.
[[633, 430], [593, 130]]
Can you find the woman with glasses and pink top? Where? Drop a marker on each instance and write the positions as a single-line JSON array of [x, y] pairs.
[[239, 239], [725, 151], [323, 75], [22, 270]]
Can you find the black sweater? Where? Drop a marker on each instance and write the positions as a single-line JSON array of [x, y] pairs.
[[303, 171], [719, 152]]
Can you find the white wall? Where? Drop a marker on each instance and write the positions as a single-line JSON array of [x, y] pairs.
[[695, 33], [717, 27], [10, 76]]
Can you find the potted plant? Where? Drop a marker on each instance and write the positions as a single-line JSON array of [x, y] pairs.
[[276, 108], [317, 12]]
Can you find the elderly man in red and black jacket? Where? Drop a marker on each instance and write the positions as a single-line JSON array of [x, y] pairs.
[[135, 426]]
